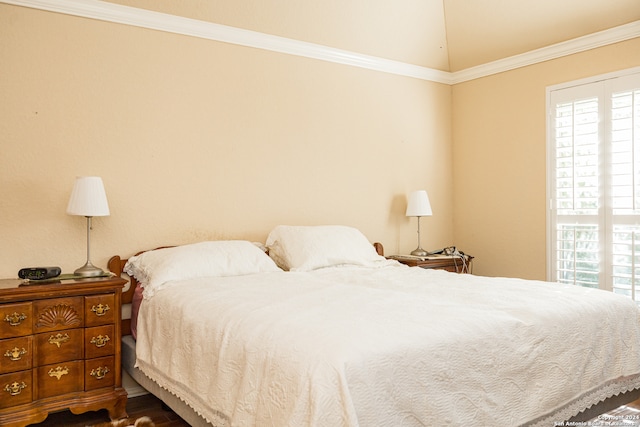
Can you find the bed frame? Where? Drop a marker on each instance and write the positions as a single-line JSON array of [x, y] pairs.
[[116, 265]]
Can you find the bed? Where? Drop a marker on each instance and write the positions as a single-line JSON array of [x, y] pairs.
[[324, 331]]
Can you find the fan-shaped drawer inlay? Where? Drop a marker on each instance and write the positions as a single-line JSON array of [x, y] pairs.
[[60, 314]]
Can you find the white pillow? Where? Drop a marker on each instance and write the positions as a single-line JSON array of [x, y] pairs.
[[219, 258], [305, 248]]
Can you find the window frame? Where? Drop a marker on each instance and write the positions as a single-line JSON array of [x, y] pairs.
[[603, 219]]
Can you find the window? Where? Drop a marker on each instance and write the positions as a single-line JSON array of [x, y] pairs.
[[593, 176]]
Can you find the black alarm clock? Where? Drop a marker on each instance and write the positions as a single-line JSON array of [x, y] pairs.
[[39, 273]]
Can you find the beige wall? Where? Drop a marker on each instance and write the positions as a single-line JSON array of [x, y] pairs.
[[197, 139], [500, 153], [204, 140]]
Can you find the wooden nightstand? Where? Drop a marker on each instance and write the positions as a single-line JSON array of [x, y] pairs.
[[60, 348], [456, 264]]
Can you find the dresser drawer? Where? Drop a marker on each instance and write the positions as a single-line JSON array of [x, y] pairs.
[[98, 341], [99, 373], [60, 378], [16, 389], [59, 346], [16, 320], [100, 309], [58, 314], [16, 354]]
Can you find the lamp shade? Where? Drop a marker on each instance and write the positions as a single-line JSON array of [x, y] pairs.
[[88, 197], [418, 204]]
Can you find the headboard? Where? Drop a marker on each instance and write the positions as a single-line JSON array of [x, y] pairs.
[[379, 248], [115, 265]]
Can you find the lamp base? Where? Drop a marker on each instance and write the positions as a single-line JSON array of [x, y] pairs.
[[88, 270], [419, 252]]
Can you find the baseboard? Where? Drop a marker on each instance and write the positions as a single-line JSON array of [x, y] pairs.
[[135, 391], [132, 388]]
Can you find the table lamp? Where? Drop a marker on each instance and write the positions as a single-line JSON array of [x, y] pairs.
[[419, 206], [88, 199]]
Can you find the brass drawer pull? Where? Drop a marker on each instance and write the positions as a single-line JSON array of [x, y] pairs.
[[100, 310], [15, 388], [58, 372], [15, 319], [15, 354], [100, 341], [99, 373], [58, 339]]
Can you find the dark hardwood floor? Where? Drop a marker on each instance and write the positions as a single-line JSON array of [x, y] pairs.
[[147, 405]]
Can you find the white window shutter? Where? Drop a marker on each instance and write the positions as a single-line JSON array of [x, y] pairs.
[[594, 183]]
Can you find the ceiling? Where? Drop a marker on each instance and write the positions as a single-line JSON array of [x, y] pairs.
[[447, 35], [481, 31]]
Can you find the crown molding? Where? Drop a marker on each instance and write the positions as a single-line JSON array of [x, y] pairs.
[[112, 12], [580, 44]]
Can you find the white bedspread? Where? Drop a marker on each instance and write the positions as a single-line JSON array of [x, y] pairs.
[[394, 346]]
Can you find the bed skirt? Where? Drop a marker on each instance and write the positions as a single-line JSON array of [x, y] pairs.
[[178, 406], [617, 394]]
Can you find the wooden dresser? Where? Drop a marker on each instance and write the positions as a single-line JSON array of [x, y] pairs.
[[60, 349]]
